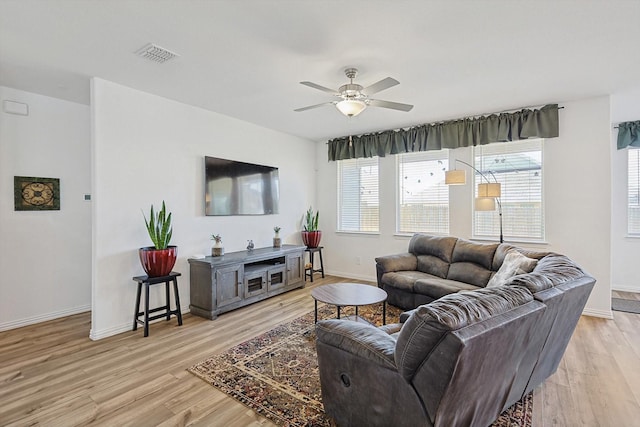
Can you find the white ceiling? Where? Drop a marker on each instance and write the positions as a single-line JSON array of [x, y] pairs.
[[245, 58]]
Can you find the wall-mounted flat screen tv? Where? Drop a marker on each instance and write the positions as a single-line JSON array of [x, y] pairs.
[[239, 188]]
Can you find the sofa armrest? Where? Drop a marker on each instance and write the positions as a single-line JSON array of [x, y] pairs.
[[399, 262], [405, 315], [391, 328], [360, 339]]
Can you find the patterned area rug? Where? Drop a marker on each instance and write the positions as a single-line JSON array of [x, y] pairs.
[[276, 373], [628, 305]]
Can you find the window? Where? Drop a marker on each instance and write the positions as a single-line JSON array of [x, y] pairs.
[[633, 180], [517, 166], [423, 197], [358, 203]]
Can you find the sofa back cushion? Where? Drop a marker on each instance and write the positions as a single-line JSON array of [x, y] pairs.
[[472, 262], [504, 248], [514, 263], [551, 271], [433, 253], [426, 327]]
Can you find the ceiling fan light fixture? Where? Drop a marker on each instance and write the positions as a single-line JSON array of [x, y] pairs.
[[351, 107]]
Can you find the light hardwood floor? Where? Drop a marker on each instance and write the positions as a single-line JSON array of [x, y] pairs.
[[52, 374]]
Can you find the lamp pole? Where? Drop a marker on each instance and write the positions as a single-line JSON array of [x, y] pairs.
[[496, 198]]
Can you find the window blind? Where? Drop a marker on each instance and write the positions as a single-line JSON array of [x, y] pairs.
[[633, 185], [358, 202], [517, 166], [423, 197]]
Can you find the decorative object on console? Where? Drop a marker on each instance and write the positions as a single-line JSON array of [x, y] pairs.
[[277, 242], [489, 193], [217, 249], [250, 246], [311, 235], [158, 260], [36, 194]]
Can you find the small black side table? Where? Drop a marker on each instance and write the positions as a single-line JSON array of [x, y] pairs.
[[309, 270], [148, 281]]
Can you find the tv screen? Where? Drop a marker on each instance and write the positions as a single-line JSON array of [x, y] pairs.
[[239, 188]]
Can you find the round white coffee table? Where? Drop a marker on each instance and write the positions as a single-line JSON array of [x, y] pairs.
[[349, 294]]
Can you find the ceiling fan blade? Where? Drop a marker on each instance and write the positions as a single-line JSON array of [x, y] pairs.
[[380, 86], [322, 88], [389, 104], [310, 107]]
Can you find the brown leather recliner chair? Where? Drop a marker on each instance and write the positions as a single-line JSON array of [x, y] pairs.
[[454, 362]]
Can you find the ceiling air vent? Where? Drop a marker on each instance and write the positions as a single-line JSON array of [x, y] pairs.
[[156, 53]]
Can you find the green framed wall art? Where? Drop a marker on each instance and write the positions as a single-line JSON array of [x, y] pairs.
[[36, 194]]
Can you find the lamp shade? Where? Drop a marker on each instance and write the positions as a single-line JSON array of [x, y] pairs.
[[485, 204], [351, 107], [455, 177], [489, 190]]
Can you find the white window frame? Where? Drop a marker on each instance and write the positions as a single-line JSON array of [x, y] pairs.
[[633, 192], [360, 163], [438, 163], [513, 228]]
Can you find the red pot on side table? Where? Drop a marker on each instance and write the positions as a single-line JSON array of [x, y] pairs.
[[311, 239], [158, 262]]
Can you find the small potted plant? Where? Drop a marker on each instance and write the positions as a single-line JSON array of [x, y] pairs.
[[159, 259], [217, 249], [277, 242], [311, 235]]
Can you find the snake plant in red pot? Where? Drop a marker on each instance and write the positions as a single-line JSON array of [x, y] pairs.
[[158, 260], [311, 235]]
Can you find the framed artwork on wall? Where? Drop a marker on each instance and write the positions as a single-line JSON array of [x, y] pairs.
[[36, 194]]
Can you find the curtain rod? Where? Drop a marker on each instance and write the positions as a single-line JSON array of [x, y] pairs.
[[452, 120], [500, 112]]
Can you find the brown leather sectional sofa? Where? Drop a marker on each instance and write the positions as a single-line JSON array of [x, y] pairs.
[[460, 358]]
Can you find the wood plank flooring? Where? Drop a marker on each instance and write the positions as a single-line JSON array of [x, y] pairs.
[[52, 374]]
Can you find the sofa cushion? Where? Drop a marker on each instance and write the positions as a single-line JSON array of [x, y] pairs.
[[436, 287], [403, 280], [472, 262], [433, 265], [468, 272], [501, 251], [552, 270], [504, 248], [476, 253], [428, 324], [514, 263], [441, 247]]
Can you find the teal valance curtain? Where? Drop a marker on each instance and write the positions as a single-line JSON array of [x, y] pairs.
[[629, 134], [523, 124]]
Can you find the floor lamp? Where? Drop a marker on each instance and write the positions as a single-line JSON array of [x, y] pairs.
[[488, 192]]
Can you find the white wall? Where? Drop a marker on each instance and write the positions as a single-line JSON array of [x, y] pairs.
[[147, 149], [577, 184], [625, 251], [45, 256]]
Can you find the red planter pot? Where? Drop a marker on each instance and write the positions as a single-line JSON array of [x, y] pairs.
[[311, 239], [158, 262]]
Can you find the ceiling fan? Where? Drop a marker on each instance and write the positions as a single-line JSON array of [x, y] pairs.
[[353, 98]]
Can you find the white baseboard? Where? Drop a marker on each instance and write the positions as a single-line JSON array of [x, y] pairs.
[[352, 276], [108, 332], [605, 314], [119, 329], [622, 288], [43, 317]]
